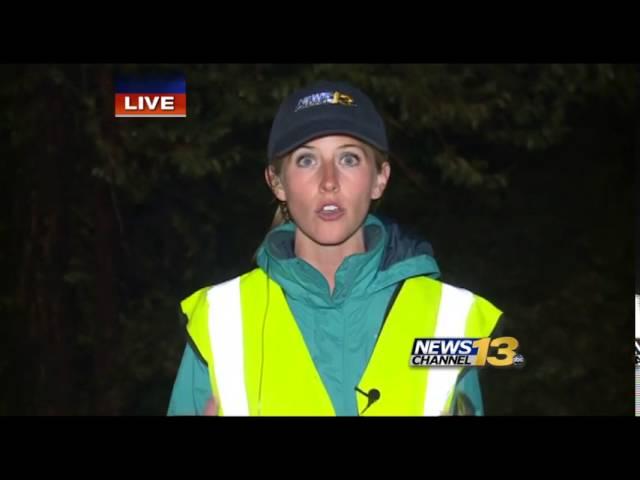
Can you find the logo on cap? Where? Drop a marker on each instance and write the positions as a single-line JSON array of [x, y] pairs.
[[323, 98]]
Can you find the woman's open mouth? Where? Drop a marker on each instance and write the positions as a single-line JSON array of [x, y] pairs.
[[330, 212]]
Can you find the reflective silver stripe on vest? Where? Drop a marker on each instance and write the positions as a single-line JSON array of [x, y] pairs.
[[455, 304], [225, 332]]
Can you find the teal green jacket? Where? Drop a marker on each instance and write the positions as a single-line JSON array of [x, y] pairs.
[[340, 327]]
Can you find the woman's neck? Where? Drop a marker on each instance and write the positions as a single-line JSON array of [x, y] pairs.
[[328, 258]]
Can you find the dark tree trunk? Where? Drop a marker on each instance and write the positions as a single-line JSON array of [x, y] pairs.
[[47, 341], [108, 391]]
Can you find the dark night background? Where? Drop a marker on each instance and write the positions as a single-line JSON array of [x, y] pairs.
[[521, 177]]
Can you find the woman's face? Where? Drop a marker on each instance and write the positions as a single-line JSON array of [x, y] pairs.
[[328, 185]]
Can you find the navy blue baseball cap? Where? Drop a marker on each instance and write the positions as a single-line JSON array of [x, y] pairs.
[[325, 108]]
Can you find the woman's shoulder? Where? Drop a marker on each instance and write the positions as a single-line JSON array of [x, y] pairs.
[[253, 273], [197, 298]]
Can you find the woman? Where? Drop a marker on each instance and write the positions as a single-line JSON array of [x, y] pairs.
[[326, 323]]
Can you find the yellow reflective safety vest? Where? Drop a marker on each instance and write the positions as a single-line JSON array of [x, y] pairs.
[[259, 364]]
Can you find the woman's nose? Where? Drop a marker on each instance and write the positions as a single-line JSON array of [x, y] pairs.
[[329, 179]]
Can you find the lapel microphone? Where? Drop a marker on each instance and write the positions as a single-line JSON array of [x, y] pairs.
[[372, 396]]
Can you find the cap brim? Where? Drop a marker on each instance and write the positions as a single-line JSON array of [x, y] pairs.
[[317, 128]]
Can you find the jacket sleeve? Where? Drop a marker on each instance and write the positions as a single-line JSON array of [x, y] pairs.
[[191, 388], [468, 395], [468, 398]]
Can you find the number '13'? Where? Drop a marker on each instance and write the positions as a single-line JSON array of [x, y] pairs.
[[506, 346]]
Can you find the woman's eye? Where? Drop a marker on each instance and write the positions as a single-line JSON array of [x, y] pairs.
[[304, 160], [350, 159]]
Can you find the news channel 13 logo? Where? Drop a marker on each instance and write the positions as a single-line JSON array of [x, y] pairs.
[[466, 352]]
